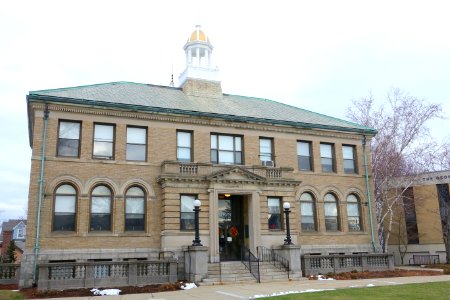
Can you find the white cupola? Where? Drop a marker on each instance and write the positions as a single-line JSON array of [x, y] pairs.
[[199, 65]]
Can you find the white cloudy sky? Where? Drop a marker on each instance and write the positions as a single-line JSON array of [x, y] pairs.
[[317, 55]]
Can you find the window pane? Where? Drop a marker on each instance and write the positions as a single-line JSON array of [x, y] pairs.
[[304, 163], [69, 130], [68, 147], [327, 164], [104, 132], [101, 205], [274, 205], [238, 157], [65, 204], [352, 210], [347, 152], [64, 222], [136, 135], [135, 206], [183, 139], [330, 198], [226, 142], [265, 157], [226, 157], [326, 150], [331, 223], [184, 154], [307, 209], [354, 224], [134, 222], [213, 141], [66, 189], [101, 190], [306, 197], [308, 223], [330, 209], [135, 191], [303, 149], [274, 216], [349, 166], [104, 149], [187, 221], [214, 157], [100, 222], [238, 143], [265, 146], [136, 152], [187, 203]]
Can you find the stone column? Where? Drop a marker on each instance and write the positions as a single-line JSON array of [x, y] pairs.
[[196, 263], [293, 254]]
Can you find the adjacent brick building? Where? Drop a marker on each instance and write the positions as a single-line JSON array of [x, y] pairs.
[[124, 161]]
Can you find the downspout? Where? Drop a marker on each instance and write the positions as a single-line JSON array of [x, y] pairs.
[[41, 181], [369, 202]]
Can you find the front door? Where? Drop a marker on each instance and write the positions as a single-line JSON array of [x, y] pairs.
[[231, 233]]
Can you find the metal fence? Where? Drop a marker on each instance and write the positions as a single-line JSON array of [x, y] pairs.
[[9, 273], [64, 275], [323, 264]]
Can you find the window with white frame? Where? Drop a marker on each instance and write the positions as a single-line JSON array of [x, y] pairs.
[[304, 156], [308, 212], [136, 143], [266, 151], [354, 213], [348, 155], [103, 141], [331, 212], [134, 209], [327, 157], [184, 146], [226, 149], [69, 138], [64, 213], [187, 212], [101, 203], [274, 213]]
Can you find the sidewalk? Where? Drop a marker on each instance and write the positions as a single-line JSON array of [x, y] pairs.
[[246, 291]]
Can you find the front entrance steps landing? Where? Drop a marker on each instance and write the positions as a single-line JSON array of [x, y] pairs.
[[235, 272]]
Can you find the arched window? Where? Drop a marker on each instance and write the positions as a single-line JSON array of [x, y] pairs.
[[64, 215], [101, 208], [354, 213], [331, 213], [308, 211], [135, 209]]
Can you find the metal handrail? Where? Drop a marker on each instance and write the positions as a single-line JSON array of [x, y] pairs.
[[251, 262], [269, 255]]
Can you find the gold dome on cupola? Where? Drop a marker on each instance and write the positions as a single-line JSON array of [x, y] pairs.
[[198, 35]]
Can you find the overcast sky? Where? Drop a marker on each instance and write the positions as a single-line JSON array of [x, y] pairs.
[[318, 55]]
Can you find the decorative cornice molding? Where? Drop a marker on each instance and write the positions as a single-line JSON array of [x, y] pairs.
[[195, 120]]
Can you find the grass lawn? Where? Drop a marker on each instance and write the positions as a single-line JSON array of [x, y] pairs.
[[10, 295], [432, 290]]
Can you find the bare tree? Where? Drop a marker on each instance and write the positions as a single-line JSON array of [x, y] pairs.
[[401, 124]]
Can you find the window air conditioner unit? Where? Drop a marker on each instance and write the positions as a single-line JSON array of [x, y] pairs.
[[268, 163]]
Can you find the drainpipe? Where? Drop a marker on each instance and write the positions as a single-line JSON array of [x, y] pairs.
[[369, 202], [41, 181]]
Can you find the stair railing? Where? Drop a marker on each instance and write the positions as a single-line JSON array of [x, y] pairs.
[[251, 262], [269, 255]]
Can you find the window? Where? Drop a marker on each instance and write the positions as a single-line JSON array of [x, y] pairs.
[[274, 215], [226, 149], [103, 141], [187, 212], [136, 143], [331, 213], [409, 207], [69, 139], [327, 157], [20, 233], [64, 216], [304, 156], [348, 154], [184, 146], [353, 213], [135, 209], [308, 209], [101, 209], [265, 152]]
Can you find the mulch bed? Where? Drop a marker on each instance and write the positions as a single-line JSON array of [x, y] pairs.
[[379, 274]]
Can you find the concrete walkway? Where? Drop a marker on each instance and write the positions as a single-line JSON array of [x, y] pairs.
[[246, 291]]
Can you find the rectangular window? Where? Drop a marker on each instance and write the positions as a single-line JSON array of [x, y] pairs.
[[103, 141], [274, 215], [187, 212], [327, 157], [69, 139], [266, 152], [304, 156], [184, 146], [409, 207], [136, 143], [226, 149], [348, 155]]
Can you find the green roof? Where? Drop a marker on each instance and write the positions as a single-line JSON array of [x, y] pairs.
[[147, 97]]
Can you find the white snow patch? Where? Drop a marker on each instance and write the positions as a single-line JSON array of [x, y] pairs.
[[289, 292], [107, 292], [321, 277], [188, 286], [370, 285]]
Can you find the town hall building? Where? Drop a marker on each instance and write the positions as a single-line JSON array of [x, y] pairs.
[[116, 168]]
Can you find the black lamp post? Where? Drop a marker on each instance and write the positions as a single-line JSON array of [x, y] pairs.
[[196, 241], [286, 207]]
